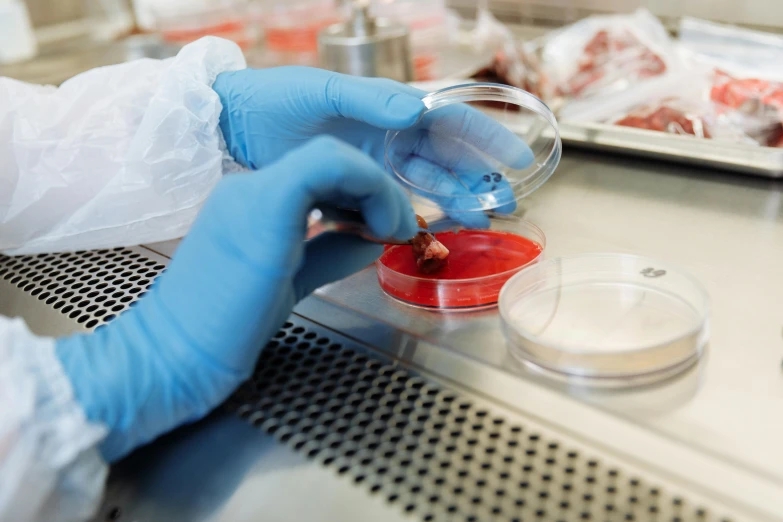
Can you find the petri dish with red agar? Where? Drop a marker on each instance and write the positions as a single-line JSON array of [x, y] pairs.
[[480, 262], [477, 150], [609, 320]]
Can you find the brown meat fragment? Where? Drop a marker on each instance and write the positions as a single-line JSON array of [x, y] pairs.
[[431, 255]]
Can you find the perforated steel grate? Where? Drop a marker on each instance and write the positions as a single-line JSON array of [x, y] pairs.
[[89, 287], [436, 454]]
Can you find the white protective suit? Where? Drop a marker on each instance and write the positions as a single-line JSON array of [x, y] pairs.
[[116, 156]]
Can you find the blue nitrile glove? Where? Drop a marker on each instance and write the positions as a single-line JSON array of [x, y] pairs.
[[268, 112], [230, 286], [457, 152]]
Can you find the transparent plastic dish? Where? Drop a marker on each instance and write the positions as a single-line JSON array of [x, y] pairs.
[[498, 142], [605, 319], [480, 263]]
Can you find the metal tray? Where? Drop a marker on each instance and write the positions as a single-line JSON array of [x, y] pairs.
[[736, 157]]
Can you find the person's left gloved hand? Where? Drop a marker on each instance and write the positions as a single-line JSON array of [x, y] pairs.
[[268, 112], [232, 283]]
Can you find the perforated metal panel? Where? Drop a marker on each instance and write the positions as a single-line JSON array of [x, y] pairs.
[[433, 452], [429, 451], [89, 287]]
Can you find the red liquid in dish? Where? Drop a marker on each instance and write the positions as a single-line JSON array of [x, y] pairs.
[[480, 262]]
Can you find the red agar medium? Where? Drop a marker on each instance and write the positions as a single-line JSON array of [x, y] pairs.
[[479, 263]]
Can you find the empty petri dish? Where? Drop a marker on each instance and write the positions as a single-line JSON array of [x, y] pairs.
[[605, 319], [480, 262], [478, 146]]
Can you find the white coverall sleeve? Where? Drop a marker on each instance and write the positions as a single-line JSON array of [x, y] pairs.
[[50, 468], [116, 156]]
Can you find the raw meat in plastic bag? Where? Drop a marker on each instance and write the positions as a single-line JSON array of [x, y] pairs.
[[747, 94], [755, 105], [611, 56], [590, 59], [666, 118], [747, 78], [683, 114], [601, 55]]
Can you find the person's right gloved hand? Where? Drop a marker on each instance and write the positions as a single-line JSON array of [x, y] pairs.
[[230, 286]]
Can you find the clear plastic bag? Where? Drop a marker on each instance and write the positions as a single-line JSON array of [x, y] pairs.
[[746, 77], [604, 54], [740, 52], [514, 63], [753, 104], [669, 116], [591, 59], [674, 105], [685, 117]]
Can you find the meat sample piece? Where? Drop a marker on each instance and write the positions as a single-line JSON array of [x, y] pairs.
[[609, 57], [756, 104], [666, 119], [431, 256], [746, 94]]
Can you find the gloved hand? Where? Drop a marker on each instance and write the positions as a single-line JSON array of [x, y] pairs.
[[268, 112], [452, 157], [230, 286]]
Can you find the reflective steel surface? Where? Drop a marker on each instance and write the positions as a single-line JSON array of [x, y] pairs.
[[710, 435], [725, 230], [717, 425]]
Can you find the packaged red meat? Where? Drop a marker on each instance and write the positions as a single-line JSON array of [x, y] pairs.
[[683, 115], [754, 104], [667, 118], [746, 83], [747, 94], [611, 56], [593, 59], [677, 106], [601, 55]]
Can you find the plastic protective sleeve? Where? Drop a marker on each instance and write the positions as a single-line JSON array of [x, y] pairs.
[[116, 156], [50, 468]]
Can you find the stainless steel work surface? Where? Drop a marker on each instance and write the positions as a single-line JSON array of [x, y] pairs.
[[727, 231], [719, 424], [363, 409]]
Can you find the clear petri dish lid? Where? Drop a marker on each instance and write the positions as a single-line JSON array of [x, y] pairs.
[[605, 319], [478, 146]]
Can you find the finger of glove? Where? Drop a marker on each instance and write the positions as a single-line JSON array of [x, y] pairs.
[[331, 257], [445, 191], [329, 171], [378, 102], [472, 127], [471, 174]]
